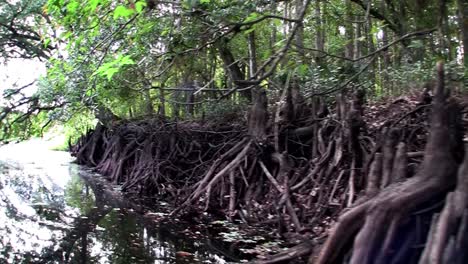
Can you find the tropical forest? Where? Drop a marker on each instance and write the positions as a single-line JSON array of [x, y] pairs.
[[227, 131]]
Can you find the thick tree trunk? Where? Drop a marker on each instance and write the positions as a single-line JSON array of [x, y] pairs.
[[233, 67], [258, 115]]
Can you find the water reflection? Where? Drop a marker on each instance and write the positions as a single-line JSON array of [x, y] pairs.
[[52, 211]]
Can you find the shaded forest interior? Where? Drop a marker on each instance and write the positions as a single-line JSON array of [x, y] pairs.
[[376, 175], [323, 120]]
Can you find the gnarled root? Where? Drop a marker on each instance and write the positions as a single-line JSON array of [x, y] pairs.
[[372, 229]]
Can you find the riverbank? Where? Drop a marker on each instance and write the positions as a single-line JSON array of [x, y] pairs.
[[289, 174]]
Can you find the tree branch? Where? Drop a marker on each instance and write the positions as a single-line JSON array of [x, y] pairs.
[[406, 36], [395, 26]]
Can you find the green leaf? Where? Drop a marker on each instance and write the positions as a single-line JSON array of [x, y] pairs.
[[122, 11], [277, 23], [93, 4], [126, 60], [247, 31], [303, 70], [46, 42], [66, 35], [252, 16], [110, 72], [73, 6], [165, 32], [139, 6], [205, 1], [110, 68]]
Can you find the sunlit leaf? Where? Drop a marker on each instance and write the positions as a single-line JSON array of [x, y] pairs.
[[252, 16], [122, 11], [93, 4], [73, 6], [139, 6]]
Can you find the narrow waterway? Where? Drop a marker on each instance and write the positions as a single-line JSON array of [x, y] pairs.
[[53, 211]]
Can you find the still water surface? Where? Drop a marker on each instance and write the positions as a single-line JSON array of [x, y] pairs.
[[53, 211]]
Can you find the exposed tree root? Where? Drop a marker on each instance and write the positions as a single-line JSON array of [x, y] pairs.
[[376, 223], [448, 241], [288, 255], [297, 172]]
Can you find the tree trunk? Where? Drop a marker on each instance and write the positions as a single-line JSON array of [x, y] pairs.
[[175, 97], [233, 67], [162, 100], [105, 116], [252, 54], [370, 49], [380, 227], [462, 6], [287, 24], [149, 110], [258, 115], [357, 41], [386, 86], [274, 32], [320, 34], [349, 49], [190, 99], [84, 248], [300, 33], [442, 30]]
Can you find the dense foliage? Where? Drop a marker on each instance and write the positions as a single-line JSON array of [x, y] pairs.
[[134, 58]]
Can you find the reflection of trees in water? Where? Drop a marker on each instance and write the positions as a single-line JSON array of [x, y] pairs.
[[127, 237], [73, 247], [126, 241], [119, 235], [19, 229], [79, 195], [31, 188], [32, 206]]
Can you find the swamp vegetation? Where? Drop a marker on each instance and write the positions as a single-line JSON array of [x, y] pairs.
[[336, 125]]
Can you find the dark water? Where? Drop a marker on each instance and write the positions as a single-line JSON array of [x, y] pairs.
[[52, 211]]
